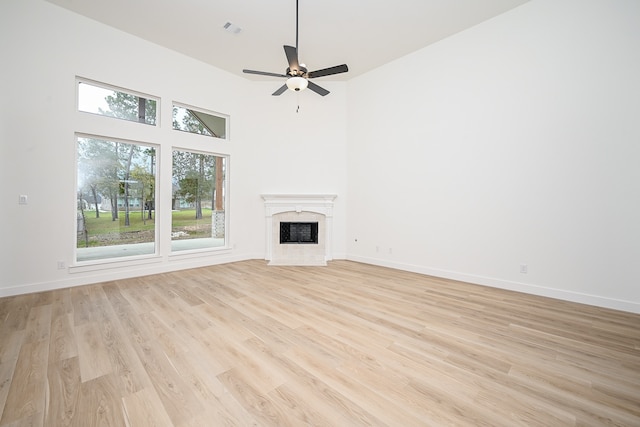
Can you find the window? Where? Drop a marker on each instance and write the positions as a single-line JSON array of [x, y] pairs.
[[118, 178], [198, 205], [111, 102], [116, 185], [188, 119]]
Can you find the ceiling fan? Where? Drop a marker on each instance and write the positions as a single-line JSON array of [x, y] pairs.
[[296, 74]]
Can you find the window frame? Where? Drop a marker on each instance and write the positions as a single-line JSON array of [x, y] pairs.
[[161, 137]]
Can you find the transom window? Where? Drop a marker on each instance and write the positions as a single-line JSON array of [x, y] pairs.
[[117, 103], [192, 120]]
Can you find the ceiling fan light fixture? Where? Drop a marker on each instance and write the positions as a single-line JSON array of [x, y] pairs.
[[297, 83]]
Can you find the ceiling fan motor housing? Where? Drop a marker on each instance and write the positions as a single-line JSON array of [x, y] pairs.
[[301, 72]]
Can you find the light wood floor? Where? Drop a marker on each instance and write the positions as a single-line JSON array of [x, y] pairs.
[[343, 345]]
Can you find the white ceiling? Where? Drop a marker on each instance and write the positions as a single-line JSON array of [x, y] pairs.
[[364, 34]]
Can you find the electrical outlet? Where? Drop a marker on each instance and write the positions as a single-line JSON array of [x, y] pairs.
[[524, 268], [23, 199], [61, 265]]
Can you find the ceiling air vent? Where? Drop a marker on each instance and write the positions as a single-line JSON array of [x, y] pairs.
[[233, 29]]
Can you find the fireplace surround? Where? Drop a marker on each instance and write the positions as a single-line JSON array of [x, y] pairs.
[[299, 209]]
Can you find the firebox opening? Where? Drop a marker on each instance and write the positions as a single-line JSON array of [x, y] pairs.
[[298, 232]]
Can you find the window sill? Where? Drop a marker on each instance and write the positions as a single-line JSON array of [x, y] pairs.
[[114, 263]]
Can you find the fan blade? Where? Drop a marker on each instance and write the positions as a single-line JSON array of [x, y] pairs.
[[328, 71], [280, 91], [317, 89], [292, 57], [264, 73]]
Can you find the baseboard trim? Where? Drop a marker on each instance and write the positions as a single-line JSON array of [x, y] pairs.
[[560, 294], [119, 273]]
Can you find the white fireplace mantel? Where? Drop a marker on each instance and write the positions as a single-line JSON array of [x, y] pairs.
[[298, 204], [320, 203]]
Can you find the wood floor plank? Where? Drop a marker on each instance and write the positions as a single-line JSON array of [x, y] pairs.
[[145, 409], [92, 352], [247, 344], [178, 399], [312, 391], [135, 291], [367, 398], [34, 420], [9, 353], [263, 409], [122, 357], [82, 305], [99, 403], [38, 325], [131, 323], [62, 339], [27, 393], [61, 303], [220, 406], [63, 394], [292, 403], [222, 316], [15, 311]]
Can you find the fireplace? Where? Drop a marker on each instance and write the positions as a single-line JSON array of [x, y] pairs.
[[298, 233], [298, 228]]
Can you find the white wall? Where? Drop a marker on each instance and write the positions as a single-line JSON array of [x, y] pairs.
[[514, 142], [44, 47]]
